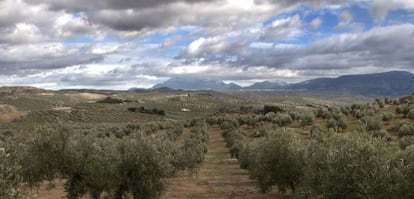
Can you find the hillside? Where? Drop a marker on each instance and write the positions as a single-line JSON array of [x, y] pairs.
[[394, 83], [196, 84]]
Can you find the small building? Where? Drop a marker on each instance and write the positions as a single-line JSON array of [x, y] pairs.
[[185, 110]]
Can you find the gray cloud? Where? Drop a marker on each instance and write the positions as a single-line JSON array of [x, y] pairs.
[[18, 59], [385, 47], [84, 6], [230, 41], [295, 2]]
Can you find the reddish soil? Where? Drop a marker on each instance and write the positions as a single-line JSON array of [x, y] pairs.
[[57, 192], [8, 117]]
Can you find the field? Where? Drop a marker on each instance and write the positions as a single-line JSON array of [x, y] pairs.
[[203, 144]]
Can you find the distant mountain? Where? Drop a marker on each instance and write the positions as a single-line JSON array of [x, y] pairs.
[[267, 85], [394, 83], [196, 84]]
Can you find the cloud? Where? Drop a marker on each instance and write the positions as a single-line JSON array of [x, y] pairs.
[[131, 43], [142, 16], [286, 27], [17, 59], [21, 33], [345, 22], [316, 23], [82, 6], [383, 47], [380, 8], [345, 16]]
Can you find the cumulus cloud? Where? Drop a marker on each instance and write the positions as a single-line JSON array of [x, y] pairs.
[[17, 59], [122, 43], [381, 8], [316, 23], [80, 5], [286, 27], [346, 23], [384, 47]]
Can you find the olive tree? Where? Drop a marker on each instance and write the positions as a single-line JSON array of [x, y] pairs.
[[278, 161], [346, 167], [10, 179]]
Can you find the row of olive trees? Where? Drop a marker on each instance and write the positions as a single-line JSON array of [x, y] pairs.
[[125, 163], [327, 165], [10, 179]]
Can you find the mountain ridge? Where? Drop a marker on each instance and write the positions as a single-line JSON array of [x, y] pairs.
[[392, 83]]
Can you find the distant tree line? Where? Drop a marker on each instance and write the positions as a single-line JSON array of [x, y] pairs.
[[142, 109]]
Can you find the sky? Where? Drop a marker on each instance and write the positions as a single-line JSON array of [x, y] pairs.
[[119, 44]]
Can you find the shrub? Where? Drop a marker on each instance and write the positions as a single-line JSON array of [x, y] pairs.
[[410, 114], [110, 100], [147, 111], [331, 124], [372, 123], [282, 119], [10, 179], [278, 162], [387, 116], [405, 130], [306, 119], [142, 166], [341, 167], [403, 174], [271, 108], [342, 124], [406, 142]]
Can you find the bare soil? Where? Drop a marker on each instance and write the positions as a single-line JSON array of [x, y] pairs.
[[8, 117], [219, 177]]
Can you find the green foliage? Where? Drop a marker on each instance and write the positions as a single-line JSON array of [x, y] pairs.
[[406, 142], [338, 124], [387, 116], [122, 162], [372, 123], [406, 130], [147, 111], [306, 119], [10, 179], [192, 150], [110, 100], [282, 119], [142, 164], [272, 108], [277, 162], [340, 167], [403, 174], [410, 114], [45, 154]]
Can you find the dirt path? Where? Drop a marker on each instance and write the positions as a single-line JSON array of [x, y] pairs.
[[219, 177]]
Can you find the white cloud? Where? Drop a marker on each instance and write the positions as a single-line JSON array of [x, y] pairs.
[[380, 8], [346, 16], [22, 33], [67, 25], [286, 27], [194, 47], [316, 23]]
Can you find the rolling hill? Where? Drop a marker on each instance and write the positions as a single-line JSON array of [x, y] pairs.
[[196, 84], [394, 83]]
